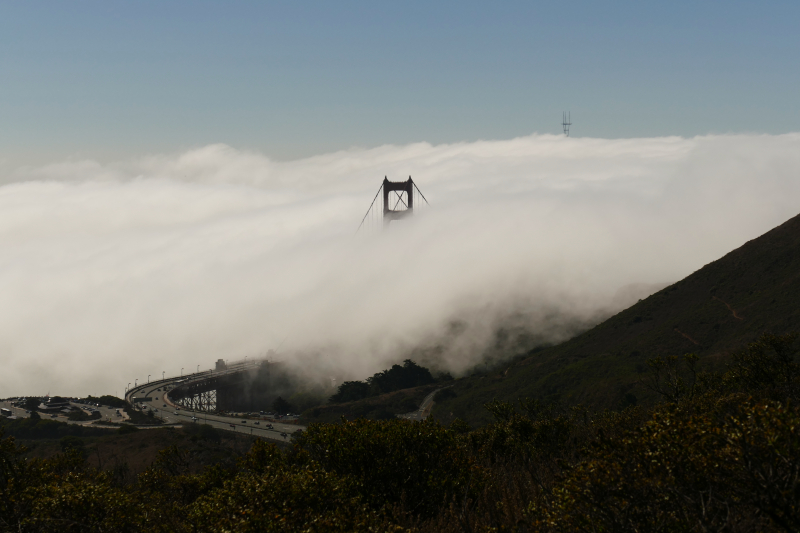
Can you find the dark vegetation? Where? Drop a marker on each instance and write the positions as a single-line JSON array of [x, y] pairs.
[[381, 407], [140, 418], [396, 378], [80, 415], [106, 399], [397, 390], [36, 427], [32, 404], [720, 452], [133, 450], [281, 406]]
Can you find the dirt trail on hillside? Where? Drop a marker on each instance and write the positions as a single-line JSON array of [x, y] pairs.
[[731, 309], [687, 337]]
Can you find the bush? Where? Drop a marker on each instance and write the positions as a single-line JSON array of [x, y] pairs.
[[124, 429], [107, 399], [408, 405], [81, 415], [207, 432], [422, 465]]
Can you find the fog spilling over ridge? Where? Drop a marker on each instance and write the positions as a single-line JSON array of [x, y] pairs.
[[114, 271]]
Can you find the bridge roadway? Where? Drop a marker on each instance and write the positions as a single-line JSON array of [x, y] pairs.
[[172, 414]]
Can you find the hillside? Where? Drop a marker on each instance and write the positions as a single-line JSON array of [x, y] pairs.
[[375, 407], [716, 310]]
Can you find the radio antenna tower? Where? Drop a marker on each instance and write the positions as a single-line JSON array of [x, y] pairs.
[[566, 122]]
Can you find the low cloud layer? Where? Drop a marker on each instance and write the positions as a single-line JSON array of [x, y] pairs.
[[111, 272]]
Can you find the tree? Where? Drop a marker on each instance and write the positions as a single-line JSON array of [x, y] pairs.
[[281, 406], [31, 404], [350, 391], [673, 378], [400, 377]]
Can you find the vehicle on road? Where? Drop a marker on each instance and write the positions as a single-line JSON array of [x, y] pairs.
[[5, 412], [194, 419], [257, 422], [176, 412], [165, 405], [284, 435], [269, 426], [233, 426], [244, 421]]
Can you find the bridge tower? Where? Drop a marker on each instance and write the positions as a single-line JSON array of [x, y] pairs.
[[404, 191], [399, 199]]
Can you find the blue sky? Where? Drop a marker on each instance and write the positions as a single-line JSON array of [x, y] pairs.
[[119, 79]]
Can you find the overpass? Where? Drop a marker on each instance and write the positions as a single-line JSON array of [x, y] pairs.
[[206, 396]]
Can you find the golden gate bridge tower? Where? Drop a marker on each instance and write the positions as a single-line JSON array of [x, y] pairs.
[[398, 201]]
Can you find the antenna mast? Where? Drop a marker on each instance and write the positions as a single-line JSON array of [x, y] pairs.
[[566, 122]]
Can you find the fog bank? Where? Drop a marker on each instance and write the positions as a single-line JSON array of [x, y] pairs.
[[111, 272]]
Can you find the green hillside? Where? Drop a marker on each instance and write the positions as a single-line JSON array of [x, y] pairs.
[[718, 309]]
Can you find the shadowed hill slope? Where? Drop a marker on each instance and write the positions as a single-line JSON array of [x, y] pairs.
[[716, 310]]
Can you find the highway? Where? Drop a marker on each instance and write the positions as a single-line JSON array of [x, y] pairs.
[[256, 427], [172, 415]]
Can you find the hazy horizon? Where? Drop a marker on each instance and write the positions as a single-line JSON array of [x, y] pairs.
[[114, 80]]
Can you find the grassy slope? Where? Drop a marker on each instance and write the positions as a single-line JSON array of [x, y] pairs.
[[760, 281]]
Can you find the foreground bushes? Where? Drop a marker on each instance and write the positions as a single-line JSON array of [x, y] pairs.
[[723, 454]]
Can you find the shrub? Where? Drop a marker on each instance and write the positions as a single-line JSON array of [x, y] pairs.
[[422, 465]]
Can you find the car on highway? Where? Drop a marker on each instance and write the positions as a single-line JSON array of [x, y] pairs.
[[284, 435], [257, 422], [176, 412], [194, 418], [269, 426], [244, 421], [165, 405]]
